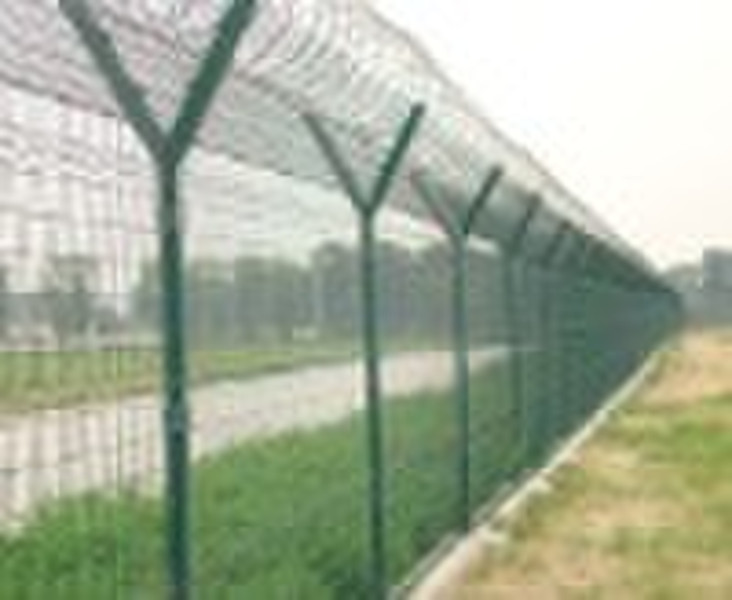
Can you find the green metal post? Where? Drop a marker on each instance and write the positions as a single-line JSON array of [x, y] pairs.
[[367, 206], [514, 360], [579, 301], [176, 417], [546, 311], [555, 337], [457, 227], [167, 149], [462, 380], [374, 399], [567, 351], [553, 364], [513, 322], [565, 303]]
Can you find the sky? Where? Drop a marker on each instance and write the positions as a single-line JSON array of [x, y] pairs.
[[628, 103]]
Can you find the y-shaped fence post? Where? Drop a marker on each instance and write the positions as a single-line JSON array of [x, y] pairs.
[[513, 323], [580, 334], [571, 310], [564, 280], [457, 227], [546, 309], [367, 205], [168, 149]]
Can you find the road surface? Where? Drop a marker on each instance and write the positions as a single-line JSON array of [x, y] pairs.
[[109, 445]]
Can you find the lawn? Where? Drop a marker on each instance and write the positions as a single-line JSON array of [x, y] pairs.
[[644, 511], [278, 519]]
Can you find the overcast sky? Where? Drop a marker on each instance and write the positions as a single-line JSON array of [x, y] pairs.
[[628, 102]]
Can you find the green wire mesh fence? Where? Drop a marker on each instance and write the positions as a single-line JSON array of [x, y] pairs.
[[280, 314]]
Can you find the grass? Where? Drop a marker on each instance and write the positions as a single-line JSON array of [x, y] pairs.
[[644, 513], [279, 519], [44, 380]]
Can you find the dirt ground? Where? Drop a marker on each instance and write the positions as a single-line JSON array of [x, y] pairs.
[[700, 366], [644, 512]]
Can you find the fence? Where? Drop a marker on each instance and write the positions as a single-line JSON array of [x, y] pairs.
[[280, 314]]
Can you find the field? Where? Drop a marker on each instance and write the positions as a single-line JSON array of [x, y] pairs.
[[283, 518], [644, 512]]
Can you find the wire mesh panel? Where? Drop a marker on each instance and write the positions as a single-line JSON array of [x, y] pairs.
[[421, 422], [80, 433], [536, 380], [492, 437], [278, 314], [279, 468]]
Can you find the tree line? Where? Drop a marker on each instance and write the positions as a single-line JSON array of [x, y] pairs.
[[261, 300]]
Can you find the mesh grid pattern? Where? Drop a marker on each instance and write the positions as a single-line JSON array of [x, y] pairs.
[[340, 383]]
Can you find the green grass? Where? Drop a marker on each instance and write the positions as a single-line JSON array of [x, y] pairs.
[[40, 380], [278, 519], [644, 514]]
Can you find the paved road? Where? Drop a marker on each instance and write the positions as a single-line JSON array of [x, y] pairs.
[[58, 453]]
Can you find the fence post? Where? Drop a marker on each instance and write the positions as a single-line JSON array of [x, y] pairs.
[[546, 313], [575, 394], [457, 227], [513, 324], [176, 417], [167, 150], [367, 206], [564, 281]]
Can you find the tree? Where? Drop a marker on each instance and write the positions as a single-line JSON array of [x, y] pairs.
[[68, 295], [290, 300], [433, 288], [398, 274], [336, 300], [146, 298], [210, 311], [250, 298]]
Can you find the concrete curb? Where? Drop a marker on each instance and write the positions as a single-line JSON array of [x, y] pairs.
[[470, 551]]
